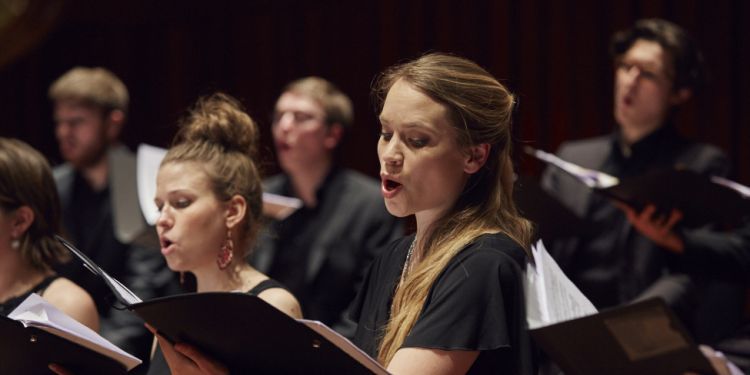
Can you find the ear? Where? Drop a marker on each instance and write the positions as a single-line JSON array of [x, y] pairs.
[[333, 136], [114, 121], [680, 96], [236, 209], [476, 158], [22, 219]]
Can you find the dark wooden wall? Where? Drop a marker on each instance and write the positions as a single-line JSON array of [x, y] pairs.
[[553, 54]]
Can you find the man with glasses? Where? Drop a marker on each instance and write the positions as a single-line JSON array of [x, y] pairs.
[[321, 250], [619, 258]]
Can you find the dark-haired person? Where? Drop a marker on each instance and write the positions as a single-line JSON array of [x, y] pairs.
[[657, 68], [320, 251], [29, 220], [449, 299], [98, 193]]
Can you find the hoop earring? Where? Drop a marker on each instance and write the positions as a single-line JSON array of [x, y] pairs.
[[226, 252]]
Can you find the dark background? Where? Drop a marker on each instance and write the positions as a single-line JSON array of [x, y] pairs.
[[552, 54]]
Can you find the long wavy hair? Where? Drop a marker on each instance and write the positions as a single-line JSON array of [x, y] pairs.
[[480, 110]]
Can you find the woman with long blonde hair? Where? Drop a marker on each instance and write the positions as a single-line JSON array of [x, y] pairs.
[[448, 299]]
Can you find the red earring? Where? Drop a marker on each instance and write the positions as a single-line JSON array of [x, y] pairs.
[[226, 252]]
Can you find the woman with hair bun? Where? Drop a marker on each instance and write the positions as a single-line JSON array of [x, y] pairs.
[[209, 198], [449, 299]]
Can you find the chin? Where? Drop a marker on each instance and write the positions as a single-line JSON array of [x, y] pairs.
[[397, 210]]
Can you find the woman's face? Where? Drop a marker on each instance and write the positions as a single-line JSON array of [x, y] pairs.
[[421, 165], [191, 224]]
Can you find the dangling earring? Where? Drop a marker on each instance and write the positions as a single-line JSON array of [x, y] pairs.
[[226, 252], [15, 244]]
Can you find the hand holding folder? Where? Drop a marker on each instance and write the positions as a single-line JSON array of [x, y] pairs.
[[243, 332], [701, 199]]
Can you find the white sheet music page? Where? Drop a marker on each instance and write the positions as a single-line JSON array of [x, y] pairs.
[[148, 160], [590, 177], [35, 311], [550, 296]]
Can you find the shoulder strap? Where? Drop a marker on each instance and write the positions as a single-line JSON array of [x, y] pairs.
[[42, 286], [264, 285]]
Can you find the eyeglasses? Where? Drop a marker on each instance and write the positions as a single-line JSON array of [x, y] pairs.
[[298, 117]]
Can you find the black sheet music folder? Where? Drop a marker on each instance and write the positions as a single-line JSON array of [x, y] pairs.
[[243, 332]]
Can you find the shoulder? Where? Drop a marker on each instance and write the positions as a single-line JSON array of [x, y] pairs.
[[496, 248], [703, 158], [74, 301], [283, 300]]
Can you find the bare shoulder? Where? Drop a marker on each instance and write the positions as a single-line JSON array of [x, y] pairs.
[[74, 301], [282, 300]]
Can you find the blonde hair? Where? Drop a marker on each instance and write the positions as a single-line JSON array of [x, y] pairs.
[[220, 136], [26, 180], [480, 110], [336, 104], [92, 86]]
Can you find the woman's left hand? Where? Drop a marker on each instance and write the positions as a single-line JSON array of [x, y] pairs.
[[184, 359]]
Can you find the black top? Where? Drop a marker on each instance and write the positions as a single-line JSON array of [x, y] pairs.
[[476, 303], [159, 364], [8, 306], [320, 253]]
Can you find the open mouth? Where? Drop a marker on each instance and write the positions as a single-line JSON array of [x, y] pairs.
[[391, 185], [165, 245]]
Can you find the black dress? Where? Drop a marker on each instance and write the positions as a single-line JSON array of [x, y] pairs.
[[476, 303], [8, 306], [159, 364]]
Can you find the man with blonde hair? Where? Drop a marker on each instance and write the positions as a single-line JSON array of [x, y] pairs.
[[321, 250], [97, 187]]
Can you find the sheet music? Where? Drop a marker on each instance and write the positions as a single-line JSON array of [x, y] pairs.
[[279, 206], [35, 311], [590, 177], [148, 161], [550, 296], [743, 190], [344, 344]]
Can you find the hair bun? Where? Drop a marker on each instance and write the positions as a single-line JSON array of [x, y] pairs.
[[221, 120]]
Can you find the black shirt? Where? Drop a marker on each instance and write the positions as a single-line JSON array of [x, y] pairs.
[[476, 303], [320, 253], [8, 306]]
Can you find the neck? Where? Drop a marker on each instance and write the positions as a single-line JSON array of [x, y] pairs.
[[96, 174], [16, 276], [237, 277], [425, 221], [306, 181], [634, 133]]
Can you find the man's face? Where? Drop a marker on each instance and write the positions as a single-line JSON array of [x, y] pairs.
[[644, 91], [300, 132], [81, 133]]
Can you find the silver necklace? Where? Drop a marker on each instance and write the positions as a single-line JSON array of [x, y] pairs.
[[408, 257]]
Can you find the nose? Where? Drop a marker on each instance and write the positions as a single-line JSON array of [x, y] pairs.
[[391, 154], [284, 122], [165, 219]]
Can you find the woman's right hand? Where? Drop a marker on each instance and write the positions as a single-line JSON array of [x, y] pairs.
[[184, 359]]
